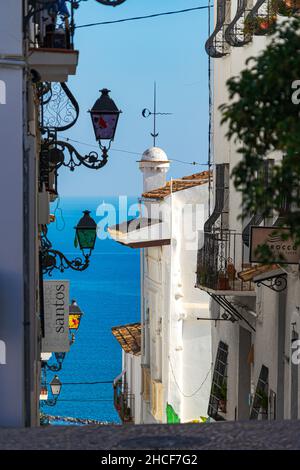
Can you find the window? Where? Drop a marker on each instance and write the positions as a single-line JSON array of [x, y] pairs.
[[218, 393], [260, 401]]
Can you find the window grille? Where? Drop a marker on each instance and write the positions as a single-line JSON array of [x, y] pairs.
[[260, 402], [218, 393]]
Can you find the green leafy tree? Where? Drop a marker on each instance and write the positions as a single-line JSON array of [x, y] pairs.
[[263, 116]]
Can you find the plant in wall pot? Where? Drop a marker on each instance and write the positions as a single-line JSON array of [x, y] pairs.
[[223, 282], [264, 401], [286, 7], [260, 25], [203, 277], [223, 398]]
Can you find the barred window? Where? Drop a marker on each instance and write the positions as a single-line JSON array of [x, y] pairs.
[[218, 393]]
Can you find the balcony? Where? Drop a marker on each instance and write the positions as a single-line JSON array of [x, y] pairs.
[[123, 400], [141, 233], [262, 18], [216, 45], [51, 51], [220, 260], [235, 34]]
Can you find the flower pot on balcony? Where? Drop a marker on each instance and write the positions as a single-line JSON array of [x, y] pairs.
[[223, 282], [260, 25], [202, 278], [222, 406], [286, 7]]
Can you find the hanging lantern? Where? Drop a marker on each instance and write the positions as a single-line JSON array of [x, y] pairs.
[[55, 385], [105, 116], [75, 315], [86, 232]]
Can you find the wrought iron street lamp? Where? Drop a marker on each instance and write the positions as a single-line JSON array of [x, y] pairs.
[[86, 233], [56, 367], [55, 388], [75, 315], [112, 3], [105, 116]]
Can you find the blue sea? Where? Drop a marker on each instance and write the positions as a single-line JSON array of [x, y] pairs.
[[108, 294]]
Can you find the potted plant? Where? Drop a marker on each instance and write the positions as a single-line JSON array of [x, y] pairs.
[[223, 282], [223, 398], [127, 414], [264, 401], [286, 7], [260, 25], [202, 277]]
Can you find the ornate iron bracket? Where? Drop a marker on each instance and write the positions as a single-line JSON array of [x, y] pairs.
[[53, 259], [275, 283], [49, 402], [60, 359], [233, 313], [56, 151], [59, 107], [111, 3]]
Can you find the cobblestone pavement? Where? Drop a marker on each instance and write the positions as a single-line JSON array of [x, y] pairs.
[[230, 435]]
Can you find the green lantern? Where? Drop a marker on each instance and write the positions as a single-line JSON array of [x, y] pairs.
[[86, 232]]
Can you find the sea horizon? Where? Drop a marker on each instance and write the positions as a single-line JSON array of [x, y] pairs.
[[108, 293]]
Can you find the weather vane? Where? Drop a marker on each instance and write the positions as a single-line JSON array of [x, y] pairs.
[[146, 113]]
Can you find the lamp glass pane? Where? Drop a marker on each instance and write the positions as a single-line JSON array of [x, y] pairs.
[[55, 388], [104, 125], [74, 321], [86, 238]]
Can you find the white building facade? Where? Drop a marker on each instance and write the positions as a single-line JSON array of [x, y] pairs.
[[28, 59], [175, 324], [253, 374]]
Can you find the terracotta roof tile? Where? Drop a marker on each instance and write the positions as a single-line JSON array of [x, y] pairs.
[[129, 337], [185, 182]]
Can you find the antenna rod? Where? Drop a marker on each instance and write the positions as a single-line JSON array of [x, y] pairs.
[[154, 117], [146, 113]]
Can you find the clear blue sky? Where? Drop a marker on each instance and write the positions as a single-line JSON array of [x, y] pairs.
[[127, 58]]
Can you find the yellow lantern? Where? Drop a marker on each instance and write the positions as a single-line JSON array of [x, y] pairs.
[[75, 315]]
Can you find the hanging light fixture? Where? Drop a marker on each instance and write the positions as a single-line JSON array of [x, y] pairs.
[[105, 115], [111, 3], [86, 234], [75, 315], [55, 389], [58, 153]]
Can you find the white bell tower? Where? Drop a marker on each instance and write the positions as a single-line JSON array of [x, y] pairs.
[[154, 165]]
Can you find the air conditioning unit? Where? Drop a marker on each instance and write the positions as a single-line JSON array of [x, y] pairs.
[[157, 398]]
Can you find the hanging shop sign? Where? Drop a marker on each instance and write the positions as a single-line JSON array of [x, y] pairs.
[[283, 250], [56, 312]]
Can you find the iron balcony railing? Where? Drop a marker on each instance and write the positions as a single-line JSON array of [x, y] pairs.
[[123, 401], [236, 35], [54, 23], [216, 46], [221, 258]]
